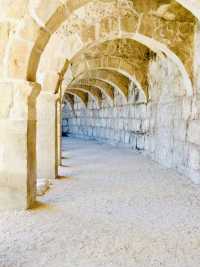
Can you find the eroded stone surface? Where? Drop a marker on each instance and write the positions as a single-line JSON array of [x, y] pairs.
[[42, 186]]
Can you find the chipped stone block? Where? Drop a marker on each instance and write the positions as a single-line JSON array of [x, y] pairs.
[[42, 186]]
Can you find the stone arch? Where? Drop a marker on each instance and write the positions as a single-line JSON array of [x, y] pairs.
[[33, 34], [94, 92], [25, 47], [155, 46], [80, 94], [104, 87], [44, 26], [108, 90], [139, 76], [115, 79], [92, 34]]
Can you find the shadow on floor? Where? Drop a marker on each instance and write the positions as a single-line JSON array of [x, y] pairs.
[[41, 206], [60, 177], [65, 157], [66, 166]]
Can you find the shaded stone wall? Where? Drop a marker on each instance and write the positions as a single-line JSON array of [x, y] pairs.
[[122, 123], [167, 128]]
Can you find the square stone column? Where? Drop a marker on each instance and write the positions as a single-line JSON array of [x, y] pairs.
[[18, 144], [46, 136], [58, 133]]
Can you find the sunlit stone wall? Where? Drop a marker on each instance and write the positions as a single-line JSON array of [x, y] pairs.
[[167, 128]]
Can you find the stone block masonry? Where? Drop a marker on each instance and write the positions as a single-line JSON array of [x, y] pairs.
[[167, 128]]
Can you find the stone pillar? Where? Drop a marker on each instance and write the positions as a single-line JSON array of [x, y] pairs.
[[58, 133], [46, 152], [18, 144]]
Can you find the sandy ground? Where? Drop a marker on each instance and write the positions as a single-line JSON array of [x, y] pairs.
[[113, 208]]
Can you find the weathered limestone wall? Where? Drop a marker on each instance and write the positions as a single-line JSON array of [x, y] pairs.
[[167, 128], [18, 142], [174, 126], [117, 124]]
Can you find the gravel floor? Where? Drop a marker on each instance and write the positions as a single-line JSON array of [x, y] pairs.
[[111, 208]]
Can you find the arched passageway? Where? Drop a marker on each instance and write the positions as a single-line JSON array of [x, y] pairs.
[[134, 66], [100, 104]]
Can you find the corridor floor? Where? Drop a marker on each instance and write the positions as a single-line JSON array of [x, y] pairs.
[[111, 208]]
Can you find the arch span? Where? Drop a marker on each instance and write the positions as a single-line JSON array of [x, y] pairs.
[[118, 64], [94, 92], [44, 24], [115, 79], [80, 94]]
